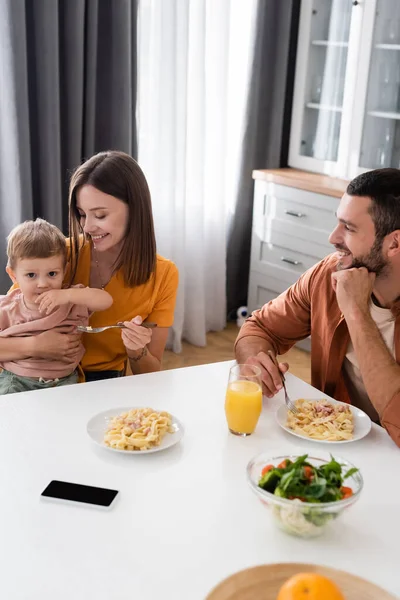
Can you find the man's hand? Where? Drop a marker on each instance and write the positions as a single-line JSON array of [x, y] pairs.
[[270, 377], [55, 345], [50, 300], [353, 288]]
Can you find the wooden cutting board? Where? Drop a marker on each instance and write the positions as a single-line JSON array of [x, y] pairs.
[[265, 581]]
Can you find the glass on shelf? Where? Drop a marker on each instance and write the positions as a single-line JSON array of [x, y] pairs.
[[382, 157], [384, 151], [316, 89], [389, 80], [391, 31], [380, 146]]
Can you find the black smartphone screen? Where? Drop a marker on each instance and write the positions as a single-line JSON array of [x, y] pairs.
[[79, 493]]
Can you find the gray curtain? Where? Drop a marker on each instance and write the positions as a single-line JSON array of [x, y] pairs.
[[265, 142], [67, 90]]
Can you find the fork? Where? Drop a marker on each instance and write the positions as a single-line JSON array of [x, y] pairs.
[[83, 329], [291, 406]]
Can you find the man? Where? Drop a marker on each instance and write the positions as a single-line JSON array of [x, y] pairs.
[[349, 303]]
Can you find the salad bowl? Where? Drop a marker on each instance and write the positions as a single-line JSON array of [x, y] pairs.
[[304, 494]]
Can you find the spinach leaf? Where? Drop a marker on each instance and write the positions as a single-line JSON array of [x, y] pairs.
[[288, 479], [316, 489], [351, 472]]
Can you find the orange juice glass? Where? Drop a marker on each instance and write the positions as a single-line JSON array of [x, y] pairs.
[[243, 401]]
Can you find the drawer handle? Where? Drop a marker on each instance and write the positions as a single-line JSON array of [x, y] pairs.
[[290, 261], [293, 213]]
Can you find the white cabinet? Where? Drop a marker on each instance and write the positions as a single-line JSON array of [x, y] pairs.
[[346, 106], [290, 232]]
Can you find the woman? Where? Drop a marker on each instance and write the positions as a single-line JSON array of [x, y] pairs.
[[113, 247]]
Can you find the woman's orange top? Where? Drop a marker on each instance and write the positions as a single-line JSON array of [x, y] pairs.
[[154, 301]]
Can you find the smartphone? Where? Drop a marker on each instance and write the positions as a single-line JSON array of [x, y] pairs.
[[80, 494]]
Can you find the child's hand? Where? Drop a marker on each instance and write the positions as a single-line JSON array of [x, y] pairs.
[[48, 301]]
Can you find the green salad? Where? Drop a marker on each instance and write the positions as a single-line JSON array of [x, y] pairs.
[[300, 480]]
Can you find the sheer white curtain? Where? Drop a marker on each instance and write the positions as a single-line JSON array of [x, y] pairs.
[[193, 77]]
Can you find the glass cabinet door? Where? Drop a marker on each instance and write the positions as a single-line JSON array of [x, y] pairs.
[[380, 141], [326, 61], [324, 86]]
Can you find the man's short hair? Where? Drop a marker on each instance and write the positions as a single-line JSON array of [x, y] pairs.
[[383, 187], [35, 239]]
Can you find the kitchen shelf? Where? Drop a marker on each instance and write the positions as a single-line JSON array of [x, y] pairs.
[[383, 114], [316, 106], [329, 43], [387, 46]]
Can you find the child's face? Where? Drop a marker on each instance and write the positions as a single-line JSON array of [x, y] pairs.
[[37, 275]]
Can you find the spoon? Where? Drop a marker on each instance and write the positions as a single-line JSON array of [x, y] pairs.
[[88, 329]]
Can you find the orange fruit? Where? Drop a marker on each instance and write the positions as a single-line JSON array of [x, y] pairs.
[[309, 586]]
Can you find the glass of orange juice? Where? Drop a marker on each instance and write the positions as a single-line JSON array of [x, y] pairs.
[[243, 401]]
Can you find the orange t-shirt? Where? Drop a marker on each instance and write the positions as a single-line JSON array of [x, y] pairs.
[[154, 301]]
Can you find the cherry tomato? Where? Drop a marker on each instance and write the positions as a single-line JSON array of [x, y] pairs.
[[308, 473], [284, 464], [266, 469], [346, 492]]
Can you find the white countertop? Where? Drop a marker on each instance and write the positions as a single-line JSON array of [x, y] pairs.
[[185, 518]]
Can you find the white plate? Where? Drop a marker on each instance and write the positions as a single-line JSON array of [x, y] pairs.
[[97, 426], [362, 423]]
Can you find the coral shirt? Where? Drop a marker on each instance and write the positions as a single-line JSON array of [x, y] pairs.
[[309, 307]]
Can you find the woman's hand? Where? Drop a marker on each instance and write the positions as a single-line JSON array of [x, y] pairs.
[[135, 338], [56, 345]]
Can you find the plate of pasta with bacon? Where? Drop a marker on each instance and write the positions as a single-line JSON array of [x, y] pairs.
[[135, 430], [325, 421]]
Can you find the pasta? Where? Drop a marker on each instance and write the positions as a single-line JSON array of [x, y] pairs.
[[322, 420], [138, 429]]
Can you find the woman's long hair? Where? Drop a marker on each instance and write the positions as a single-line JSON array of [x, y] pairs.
[[119, 175]]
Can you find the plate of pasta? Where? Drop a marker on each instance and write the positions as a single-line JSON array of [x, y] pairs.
[[325, 421], [135, 430]]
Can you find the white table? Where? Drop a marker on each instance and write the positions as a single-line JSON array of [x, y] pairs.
[[185, 518]]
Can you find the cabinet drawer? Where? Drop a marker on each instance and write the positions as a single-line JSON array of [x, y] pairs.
[[285, 275], [294, 261], [284, 192], [309, 247], [299, 233], [306, 220], [299, 214], [287, 257]]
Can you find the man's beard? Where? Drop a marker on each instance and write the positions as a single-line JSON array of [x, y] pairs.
[[374, 261]]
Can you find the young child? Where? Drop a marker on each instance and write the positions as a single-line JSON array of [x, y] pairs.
[[37, 257]]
